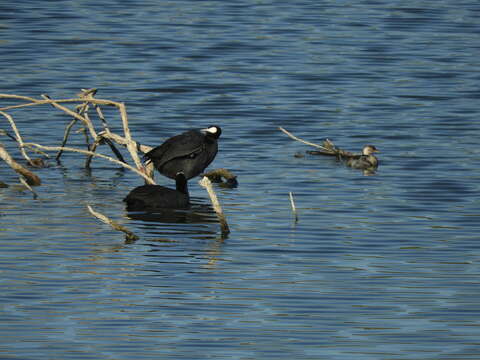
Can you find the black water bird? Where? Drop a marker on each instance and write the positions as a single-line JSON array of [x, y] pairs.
[[190, 152], [156, 197]]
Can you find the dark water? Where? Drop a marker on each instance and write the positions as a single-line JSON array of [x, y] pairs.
[[378, 267]]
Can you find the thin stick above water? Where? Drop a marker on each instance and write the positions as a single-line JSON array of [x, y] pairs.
[[63, 148], [302, 141], [294, 209]]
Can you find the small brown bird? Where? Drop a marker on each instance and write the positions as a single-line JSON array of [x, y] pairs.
[[365, 160]]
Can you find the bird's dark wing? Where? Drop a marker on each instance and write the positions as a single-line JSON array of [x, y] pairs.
[[187, 144]]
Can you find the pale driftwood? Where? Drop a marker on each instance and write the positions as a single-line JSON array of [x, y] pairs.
[[101, 117], [87, 97], [131, 145], [294, 208], [122, 141], [130, 236], [18, 137], [86, 152], [30, 177], [207, 184], [88, 124], [35, 102], [302, 141]]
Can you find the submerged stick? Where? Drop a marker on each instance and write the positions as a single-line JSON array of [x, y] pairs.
[[302, 141], [130, 236], [294, 209], [207, 184]]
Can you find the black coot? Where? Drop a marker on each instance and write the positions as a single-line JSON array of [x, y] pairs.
[[155, 197], [190, 152]]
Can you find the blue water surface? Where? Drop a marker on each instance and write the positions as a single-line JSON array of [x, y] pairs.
[[377, 267]]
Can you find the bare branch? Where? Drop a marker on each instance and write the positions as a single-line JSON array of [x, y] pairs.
[[35, 102], [131, 145], [207, 184], [57, 148], [18, 136], [30, 177], [302, 141], [88, 124], [129, 235]]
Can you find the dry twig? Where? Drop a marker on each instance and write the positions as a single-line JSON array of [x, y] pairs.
[[302, 141], [18, 137], [86, 152]]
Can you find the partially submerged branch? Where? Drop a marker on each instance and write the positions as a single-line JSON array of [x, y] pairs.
[[130, 236], [29, 176], [18, 137], [24, 182], [207, 184]]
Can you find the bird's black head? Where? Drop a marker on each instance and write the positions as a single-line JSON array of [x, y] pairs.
[[213, 131]]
